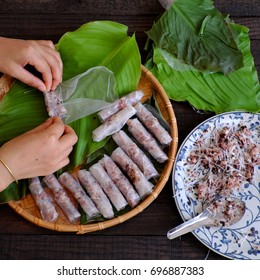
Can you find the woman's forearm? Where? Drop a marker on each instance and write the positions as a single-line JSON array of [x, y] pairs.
[[5, 177]]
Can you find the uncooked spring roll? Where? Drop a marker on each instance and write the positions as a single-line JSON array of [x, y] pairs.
[[62, 198], [120, 181], [129, 99], [96, 193], [135, 153], [54, 104], [77, 191], [146, 140], [152, 123], [113, 124], [43, 201], [108, 186], [142, 185]]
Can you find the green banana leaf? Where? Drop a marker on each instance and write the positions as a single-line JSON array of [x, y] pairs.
[[199, 35], [100, 43], [208, 91], [21, 109]]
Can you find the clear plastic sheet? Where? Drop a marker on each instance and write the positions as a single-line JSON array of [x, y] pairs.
[[85, 94]]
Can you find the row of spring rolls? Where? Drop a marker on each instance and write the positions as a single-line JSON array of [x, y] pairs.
[[109, 187], [105, 184], [106, 187], [146, 128]]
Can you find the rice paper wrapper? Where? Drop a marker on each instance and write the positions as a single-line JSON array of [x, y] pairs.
[[87, 93]]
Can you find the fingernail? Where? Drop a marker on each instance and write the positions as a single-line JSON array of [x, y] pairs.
[[57, 118], [42, 88]]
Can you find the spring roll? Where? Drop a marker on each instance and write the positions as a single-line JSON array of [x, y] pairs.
[[146, 140], [113, 124], [135, 153], [142, 185], [108, 186], [54, 104], [43, 200], [120, 181], [62, 198], [130, 99], [77, 191], [152, 123], [96, 193]]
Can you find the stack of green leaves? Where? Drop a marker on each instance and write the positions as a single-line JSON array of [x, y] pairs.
[[100, 43], [201, 56]]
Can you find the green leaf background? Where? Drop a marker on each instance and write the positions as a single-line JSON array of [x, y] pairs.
[[197, 33], [206, 90]]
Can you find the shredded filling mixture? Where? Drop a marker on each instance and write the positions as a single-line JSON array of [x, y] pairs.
[[221, 161]]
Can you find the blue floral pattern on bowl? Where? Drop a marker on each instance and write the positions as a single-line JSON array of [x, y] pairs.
[[242, 240]]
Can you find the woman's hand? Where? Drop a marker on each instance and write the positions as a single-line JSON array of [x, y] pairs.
[[38, 152], [15, 54]]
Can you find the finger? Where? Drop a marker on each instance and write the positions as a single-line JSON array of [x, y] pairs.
[[68, 140], [62, 163], [69, 137], [28, 78], [47, 43], [56, 128], [44, 68], [64, 152], [54, 60], [51, 55], [67, 152], [68, 130], [56, 76]]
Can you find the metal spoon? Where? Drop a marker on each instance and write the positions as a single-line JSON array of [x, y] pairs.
[[225, 211]]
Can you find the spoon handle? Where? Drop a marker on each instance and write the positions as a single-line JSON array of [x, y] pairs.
[[188, 226]]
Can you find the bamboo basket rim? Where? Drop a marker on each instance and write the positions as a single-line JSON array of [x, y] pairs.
[[167, 110]]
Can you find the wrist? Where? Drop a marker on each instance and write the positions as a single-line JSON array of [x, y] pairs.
[[5, 178]]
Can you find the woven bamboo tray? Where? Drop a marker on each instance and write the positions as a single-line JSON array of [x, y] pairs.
[[27, 208]]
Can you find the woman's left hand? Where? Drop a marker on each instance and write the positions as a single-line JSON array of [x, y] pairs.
[[15, 54]]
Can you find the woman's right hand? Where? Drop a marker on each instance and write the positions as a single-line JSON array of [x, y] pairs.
[[38, 152]]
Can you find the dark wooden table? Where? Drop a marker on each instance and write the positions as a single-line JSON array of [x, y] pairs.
[[144, 236]]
